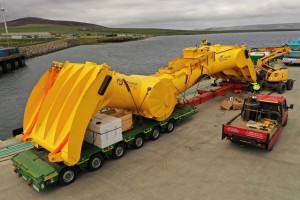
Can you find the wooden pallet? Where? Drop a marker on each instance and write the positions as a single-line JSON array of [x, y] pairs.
[[125, 116]]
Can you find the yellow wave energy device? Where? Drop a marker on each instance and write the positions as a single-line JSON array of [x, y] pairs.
[[68, 95]]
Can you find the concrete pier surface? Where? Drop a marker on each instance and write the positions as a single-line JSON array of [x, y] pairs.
[[190, 163]]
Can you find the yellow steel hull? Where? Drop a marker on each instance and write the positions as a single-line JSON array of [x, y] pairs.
[[56, 118]]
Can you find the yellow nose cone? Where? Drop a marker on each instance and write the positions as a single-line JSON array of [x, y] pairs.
[[162, 99]]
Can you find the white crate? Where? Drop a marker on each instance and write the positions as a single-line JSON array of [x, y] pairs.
[[125, 116], [104, 130]]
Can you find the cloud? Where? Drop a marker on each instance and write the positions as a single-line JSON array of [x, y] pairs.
[[175, 14]]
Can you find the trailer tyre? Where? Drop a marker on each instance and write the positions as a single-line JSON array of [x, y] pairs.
[[155, 133], [281, 87], [170, 126], [289, 84], [138, 141], [118, 151], [95, 162], [67, 175]]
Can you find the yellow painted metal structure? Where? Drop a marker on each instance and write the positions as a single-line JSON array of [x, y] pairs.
[[274, 74], [269, 49], [68, 95]]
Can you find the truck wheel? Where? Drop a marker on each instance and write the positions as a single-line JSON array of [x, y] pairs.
[[67, 176], [170, 126], [118, 151], [270, 148], [138, 141], [285, 123], [281, 87], [95, 162], [289, 84], [155, 134], [274, 116]]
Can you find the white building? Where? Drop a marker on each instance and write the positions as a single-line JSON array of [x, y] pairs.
[[26, 35]]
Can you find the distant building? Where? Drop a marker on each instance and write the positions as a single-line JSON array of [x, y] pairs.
[[27, 35]]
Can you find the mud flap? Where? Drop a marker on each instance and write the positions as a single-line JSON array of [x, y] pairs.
[[223, 133]]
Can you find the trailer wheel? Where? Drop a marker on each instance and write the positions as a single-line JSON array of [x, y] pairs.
[[289, 84], [95, 162], [118, 151], [281, 87], [138, 141], [155, 133], [67, 176], [170, 126]]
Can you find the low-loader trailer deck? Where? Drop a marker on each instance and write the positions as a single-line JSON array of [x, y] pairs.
[[33, 165]]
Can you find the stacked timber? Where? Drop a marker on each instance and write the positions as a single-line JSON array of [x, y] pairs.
[[125, 116]]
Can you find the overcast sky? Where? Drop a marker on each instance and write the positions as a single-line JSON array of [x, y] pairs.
[[174, 14]]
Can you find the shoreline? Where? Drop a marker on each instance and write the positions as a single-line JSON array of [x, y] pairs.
[[36, 50]]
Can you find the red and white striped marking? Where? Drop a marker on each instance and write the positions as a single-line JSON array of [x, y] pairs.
[[296, 61]]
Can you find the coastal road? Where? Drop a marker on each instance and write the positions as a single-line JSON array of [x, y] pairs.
[[190, 163]]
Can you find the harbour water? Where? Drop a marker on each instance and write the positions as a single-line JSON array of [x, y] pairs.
[[137, 57]]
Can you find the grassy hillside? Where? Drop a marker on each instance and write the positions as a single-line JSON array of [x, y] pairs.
[[32, 24], [52, 28], [63, 29], [259, 27], [36, 20], [91, 29]]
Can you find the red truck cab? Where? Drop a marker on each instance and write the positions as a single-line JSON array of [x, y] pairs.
[[260, 121]]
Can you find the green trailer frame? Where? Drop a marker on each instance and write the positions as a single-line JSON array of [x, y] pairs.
[[34, 167]]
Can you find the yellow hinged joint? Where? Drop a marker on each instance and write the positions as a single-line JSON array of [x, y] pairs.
[[57, 65]]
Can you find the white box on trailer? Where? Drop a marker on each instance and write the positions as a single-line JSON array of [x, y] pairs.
[[104, 130]]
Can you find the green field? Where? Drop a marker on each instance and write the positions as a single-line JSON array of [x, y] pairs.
[[93, 29], [77, 30]]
